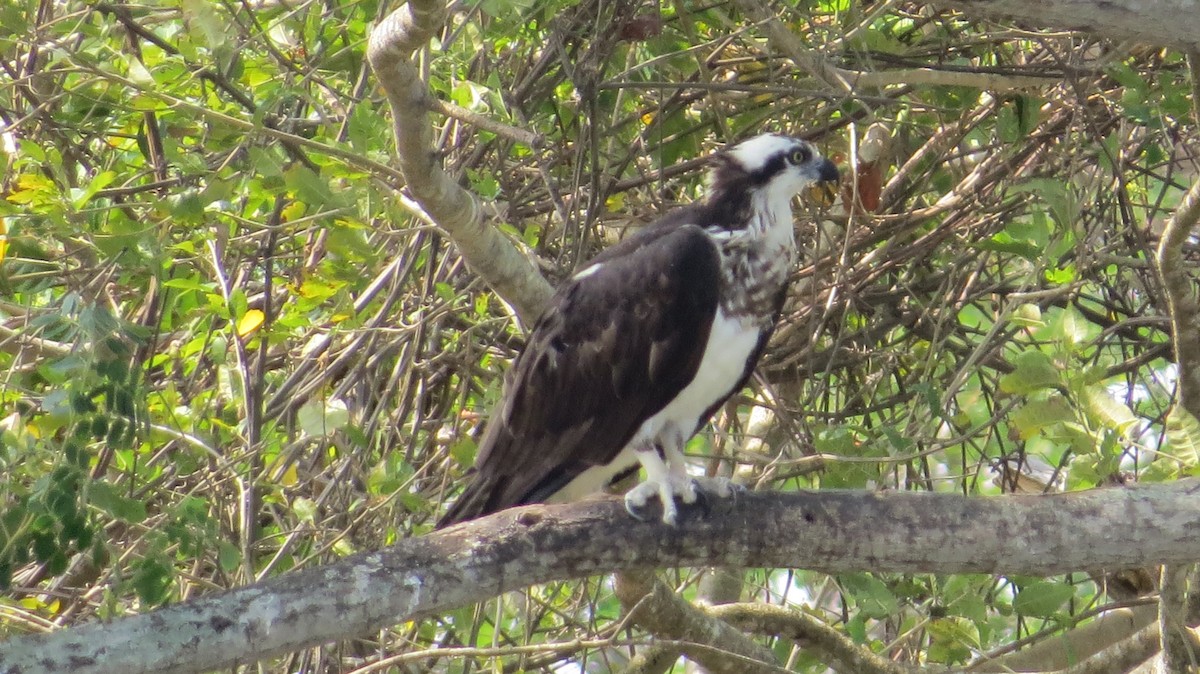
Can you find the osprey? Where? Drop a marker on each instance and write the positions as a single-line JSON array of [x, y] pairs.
[[643, 344]]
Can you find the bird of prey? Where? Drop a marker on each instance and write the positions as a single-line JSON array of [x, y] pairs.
[[642, 345]]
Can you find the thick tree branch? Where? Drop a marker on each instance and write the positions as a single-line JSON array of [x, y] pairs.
[[1120, 657], [1181, 298], [494, 257], [846, 80], [1178, 655], [832, 647], [664, 614], [1174, 23], [1178, 643], [718, 586], [1094, 639], [831, 531]]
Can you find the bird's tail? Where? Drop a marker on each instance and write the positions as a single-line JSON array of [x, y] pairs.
[[475, 501]]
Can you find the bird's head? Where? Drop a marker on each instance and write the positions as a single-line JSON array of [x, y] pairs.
[[781, 165]]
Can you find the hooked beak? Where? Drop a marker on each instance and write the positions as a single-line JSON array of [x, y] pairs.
[[824, 191], [827, 172]]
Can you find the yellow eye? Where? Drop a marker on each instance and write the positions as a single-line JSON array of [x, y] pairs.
[[799, 156]]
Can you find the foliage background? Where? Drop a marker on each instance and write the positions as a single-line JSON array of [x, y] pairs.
[[230, 348]]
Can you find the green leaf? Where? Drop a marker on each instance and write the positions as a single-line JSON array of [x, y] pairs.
[[1072, 327], [106, 497], [1058, 195], [1029, 111], [1042, 599], [1036, 415], [228, 556], [1035, 371], [204, 22], [1183, 436], [953, 639], [1109, 412], [309, 186], [151, 579], [1062, 276], [322, 417], [100, 181], [856, 629], [1002, 242], [305, 509], [870, 594], [1008, 124], [1027, 315], [463, 451]]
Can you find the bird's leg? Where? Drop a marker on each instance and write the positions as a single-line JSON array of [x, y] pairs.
[[689, 488], [682, 484], [666, 478]]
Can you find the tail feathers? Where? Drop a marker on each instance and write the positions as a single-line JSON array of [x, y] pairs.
[[492, 491], [475, 501], [460, 511]]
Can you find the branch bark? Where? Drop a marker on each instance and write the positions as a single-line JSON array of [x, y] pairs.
[[1090, 642], [456, 210], [1181, 298], [1178, 648], [1178, 654], [718, 647], [835, 649], [1174, 23], [826, 530], [845, 80]]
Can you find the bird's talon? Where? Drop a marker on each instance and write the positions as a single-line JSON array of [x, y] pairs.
[[633, 512], [690, 491], [637, 499], [721, 487]]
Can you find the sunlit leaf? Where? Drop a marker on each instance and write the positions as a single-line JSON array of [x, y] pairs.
[[322, 417], [1183, 435], [1028, 315], [250, 322], [305, 509], [1036, 415], [206, 21], [107, 498], [292, 211], [954, 639], [1107, 410], [291, 476], [1034, 371]]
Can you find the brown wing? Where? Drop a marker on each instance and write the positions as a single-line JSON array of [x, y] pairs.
[[612, 349]]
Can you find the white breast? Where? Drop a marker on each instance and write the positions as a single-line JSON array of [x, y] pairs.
[[724, 361], [729, 346]]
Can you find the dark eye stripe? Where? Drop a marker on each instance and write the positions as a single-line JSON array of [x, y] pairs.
[[732, 171], [773, 167]]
